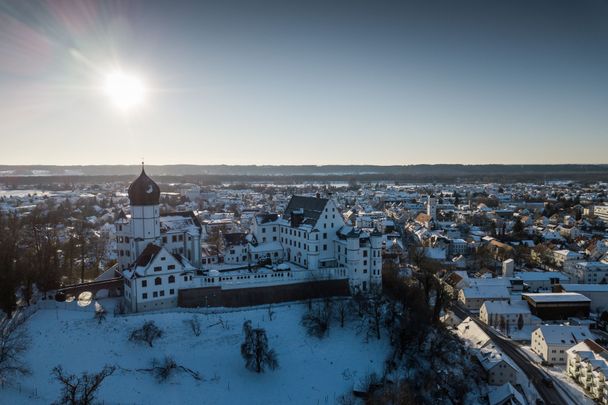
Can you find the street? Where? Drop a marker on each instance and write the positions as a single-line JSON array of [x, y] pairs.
[[536, 376]]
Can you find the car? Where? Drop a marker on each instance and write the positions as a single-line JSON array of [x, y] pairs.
[[548, 382]]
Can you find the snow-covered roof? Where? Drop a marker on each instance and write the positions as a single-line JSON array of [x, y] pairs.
[[585, 287], [486, 292], [506, 307], [564, 334], [498, 395], [472, 334], [557, 297], [540, 275]]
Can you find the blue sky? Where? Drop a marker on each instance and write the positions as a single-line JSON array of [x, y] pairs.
[[242, 82]]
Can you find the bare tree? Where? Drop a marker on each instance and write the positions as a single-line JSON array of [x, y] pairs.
[[255, 349], [148, 333], [80, 390], [14, 341], [317, 320]]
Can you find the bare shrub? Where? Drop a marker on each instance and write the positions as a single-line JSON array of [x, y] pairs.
[[148, 333], [80, 390]]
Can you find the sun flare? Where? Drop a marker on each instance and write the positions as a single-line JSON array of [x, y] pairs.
[[126, 91]]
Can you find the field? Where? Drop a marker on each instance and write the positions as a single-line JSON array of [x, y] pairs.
[[312, 371]]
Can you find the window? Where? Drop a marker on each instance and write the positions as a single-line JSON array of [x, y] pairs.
[[171, 291], [164, 240], [171, 267], [158, 281], [162, 293], [324, 247], [171, 279], [185, 278], [144, 296], [155, 294], [365, 253], [158, 268], [163, 258], [324, 235], [174, 238], [263, 230], [144, 283], [181, 238], [126, 239]]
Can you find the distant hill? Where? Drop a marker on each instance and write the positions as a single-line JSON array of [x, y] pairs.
[[325, 170], [45, 174]]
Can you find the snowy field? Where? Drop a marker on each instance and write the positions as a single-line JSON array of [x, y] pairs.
[[312, 371]]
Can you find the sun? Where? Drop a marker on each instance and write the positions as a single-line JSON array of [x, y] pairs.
[[126, 91]]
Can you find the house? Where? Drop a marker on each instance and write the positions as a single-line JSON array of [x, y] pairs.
[[551, 342], [473, 298], [589, 272], [499, 368], [535, 281], [505, 315], [505, 394], [155, 278]]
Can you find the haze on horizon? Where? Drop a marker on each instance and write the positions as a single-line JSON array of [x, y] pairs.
[[282, 82]]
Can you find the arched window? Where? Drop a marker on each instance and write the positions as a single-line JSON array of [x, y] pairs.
[[171, 279], [158, 281]]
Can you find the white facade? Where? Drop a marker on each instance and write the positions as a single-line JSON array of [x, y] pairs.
[[551, 342]]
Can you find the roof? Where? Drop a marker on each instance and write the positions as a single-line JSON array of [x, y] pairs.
[[564, 334], [507, 307], [264, 218], [235, 238], [585, 287], [540, 275], [147, 255], [310, 208], [556, 297], [180, 220], [486, 292], [501, 394], [144, 191]]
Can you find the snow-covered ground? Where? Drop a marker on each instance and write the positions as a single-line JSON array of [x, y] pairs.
[[312, 371]]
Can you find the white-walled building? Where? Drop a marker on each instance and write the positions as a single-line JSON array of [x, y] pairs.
[[551, 342], [160, 254], [588, 366], [506, 315]]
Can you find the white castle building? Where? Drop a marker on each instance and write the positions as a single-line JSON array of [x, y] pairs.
[[160, 255]]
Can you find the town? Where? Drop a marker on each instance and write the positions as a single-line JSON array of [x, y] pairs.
[[516, 274]]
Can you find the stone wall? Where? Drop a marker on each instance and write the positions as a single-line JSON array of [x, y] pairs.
[[245, 297]]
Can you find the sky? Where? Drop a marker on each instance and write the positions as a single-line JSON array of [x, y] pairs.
[[305, 82]]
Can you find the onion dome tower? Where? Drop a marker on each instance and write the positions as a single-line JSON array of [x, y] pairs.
[[144, 191], [144, 197]]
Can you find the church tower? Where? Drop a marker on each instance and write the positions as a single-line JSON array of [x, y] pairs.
[[144, 197], [431, 207]]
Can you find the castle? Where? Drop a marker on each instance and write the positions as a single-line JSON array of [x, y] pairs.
[[160, 256]]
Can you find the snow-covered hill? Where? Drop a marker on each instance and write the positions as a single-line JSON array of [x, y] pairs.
[[312, 371]]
